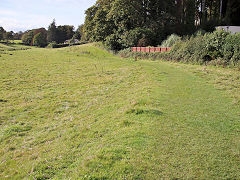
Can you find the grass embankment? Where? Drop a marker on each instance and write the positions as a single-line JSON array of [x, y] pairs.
[[81, 112]]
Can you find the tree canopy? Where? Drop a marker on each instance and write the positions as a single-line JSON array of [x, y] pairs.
[[40, 40], [125, 22], [2, 32], [59, 33], [28, 37]]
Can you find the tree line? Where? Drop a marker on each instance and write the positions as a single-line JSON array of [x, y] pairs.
[[41, 36], [125, 23], [4, 35]]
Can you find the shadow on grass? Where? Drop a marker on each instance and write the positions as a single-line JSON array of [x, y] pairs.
[[144, 111], [2, 100]]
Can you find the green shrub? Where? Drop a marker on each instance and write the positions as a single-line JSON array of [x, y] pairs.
[[40, 40], [215, 42], [231, 49], [125, 53], [113, 42], [217, 48], [27, 38], [171, 40], [136, 37], [52, 45]]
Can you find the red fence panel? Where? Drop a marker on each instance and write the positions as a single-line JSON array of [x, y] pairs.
[[143, 49], [150, 49], [157, 49], [163, 49]]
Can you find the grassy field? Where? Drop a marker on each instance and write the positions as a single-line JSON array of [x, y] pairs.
[[12, 41], [12, 47], [82, 113]]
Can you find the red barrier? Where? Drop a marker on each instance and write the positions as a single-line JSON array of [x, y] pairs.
[[143, 49], [150, 49], [163, 49], [157, 49], [147, 49]]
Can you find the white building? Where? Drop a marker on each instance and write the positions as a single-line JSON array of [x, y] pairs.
[[232, 29]]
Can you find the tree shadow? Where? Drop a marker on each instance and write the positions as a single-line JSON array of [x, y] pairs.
[[145, 111]]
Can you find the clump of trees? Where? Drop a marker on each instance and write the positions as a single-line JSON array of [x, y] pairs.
[[6, 36], [40, 40], [123, 23], [2, 32], [35, 37], [41, 37], [59, 34]]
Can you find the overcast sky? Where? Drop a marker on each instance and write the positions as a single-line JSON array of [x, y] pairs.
[[16, 15]]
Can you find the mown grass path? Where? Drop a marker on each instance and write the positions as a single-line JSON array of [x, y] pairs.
[[83, 113]]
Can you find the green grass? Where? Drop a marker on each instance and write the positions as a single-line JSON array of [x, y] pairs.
[[12, 41], [82, 113], [8, 48]]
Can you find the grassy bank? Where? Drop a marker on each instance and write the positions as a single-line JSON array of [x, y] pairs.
[[4, 47], [80, 112]]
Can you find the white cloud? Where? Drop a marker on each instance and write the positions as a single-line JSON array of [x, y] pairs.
[[7, 12], [35, 14], [13, 24]]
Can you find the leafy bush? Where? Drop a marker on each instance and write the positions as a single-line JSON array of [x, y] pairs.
[[231, 49], [171, 40], [112, 42], [135, 37], [52, 45], [27, 38], [40, 40], [215, 42], [125, 53], [217, 48]]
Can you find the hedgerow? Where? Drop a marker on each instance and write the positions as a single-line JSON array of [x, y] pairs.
[[217, 48]]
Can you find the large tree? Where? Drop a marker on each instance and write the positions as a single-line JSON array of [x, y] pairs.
[[122, 21], [52, 32], [28, 37], [2, 32], [64, 33], [124, 18], [40, 40], [8, 35]]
